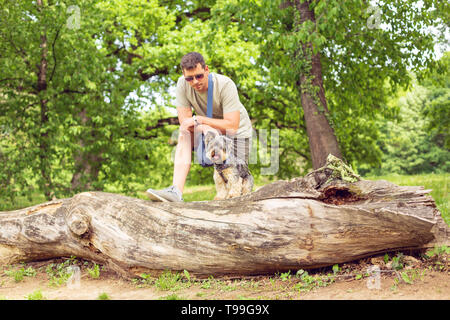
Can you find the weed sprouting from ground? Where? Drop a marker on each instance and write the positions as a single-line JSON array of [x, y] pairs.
[[103, 296], [19, 274], [36, 295]]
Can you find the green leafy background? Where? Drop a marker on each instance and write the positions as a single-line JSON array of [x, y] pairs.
[[103, 118]]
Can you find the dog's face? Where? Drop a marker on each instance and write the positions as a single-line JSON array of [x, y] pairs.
[[218, 147]]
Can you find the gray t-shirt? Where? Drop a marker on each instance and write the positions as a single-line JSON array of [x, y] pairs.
[[225, 99]]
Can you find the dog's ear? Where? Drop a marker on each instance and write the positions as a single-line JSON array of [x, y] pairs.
[[210, 135], [229, 145]]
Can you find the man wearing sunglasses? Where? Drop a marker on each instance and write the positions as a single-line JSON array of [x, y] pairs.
[[229, 117]]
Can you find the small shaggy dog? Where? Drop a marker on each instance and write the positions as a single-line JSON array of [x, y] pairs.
[[231, 175]]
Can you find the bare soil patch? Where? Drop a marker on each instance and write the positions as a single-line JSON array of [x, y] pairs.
[[417, 279]]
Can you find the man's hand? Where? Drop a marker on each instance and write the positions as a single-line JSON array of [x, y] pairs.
[[187, 125]]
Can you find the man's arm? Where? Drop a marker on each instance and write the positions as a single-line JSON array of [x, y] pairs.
[[185, 119], [229, 124], [231, 113]]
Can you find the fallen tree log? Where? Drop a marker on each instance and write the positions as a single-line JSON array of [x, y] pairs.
[[308, 222]]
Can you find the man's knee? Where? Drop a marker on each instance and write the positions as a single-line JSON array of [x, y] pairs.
[[185, 138]]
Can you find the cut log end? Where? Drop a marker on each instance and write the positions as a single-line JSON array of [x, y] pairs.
[[78, 222]]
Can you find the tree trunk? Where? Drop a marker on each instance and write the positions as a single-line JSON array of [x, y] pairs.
[[87, 163], [322, 140], [303, 223], [44, 143]]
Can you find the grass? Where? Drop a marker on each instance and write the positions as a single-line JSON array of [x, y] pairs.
[[22, 201], [94, 272], [36, 295], [199, 193], [59, 273], [168, 281], [173, 296], [103, 296], [19, 274]]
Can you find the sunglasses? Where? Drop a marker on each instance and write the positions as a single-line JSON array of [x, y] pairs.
[[197, 76]]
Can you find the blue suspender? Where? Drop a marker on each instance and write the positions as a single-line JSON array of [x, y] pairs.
[[201, 148], [209, 103]]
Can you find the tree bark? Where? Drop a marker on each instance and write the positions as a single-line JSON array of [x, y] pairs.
[[87, 163], [44, 143], [322, 140], [303, 223]]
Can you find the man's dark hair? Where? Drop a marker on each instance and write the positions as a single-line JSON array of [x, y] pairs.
[[190, 61]]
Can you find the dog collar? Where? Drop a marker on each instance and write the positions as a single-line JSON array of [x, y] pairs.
[[224, 165]]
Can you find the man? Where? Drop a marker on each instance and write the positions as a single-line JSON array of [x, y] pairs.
[[229, 117]]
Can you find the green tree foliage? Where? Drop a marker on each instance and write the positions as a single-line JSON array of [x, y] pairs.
[[360, 47], [77, 79], [410, 147], [65, 110], [74, 80], [416, 141], [437, 107]]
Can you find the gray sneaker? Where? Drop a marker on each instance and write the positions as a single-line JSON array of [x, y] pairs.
[[170, 194]]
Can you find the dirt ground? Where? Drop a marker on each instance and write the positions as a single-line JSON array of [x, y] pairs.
[[416, 279]]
